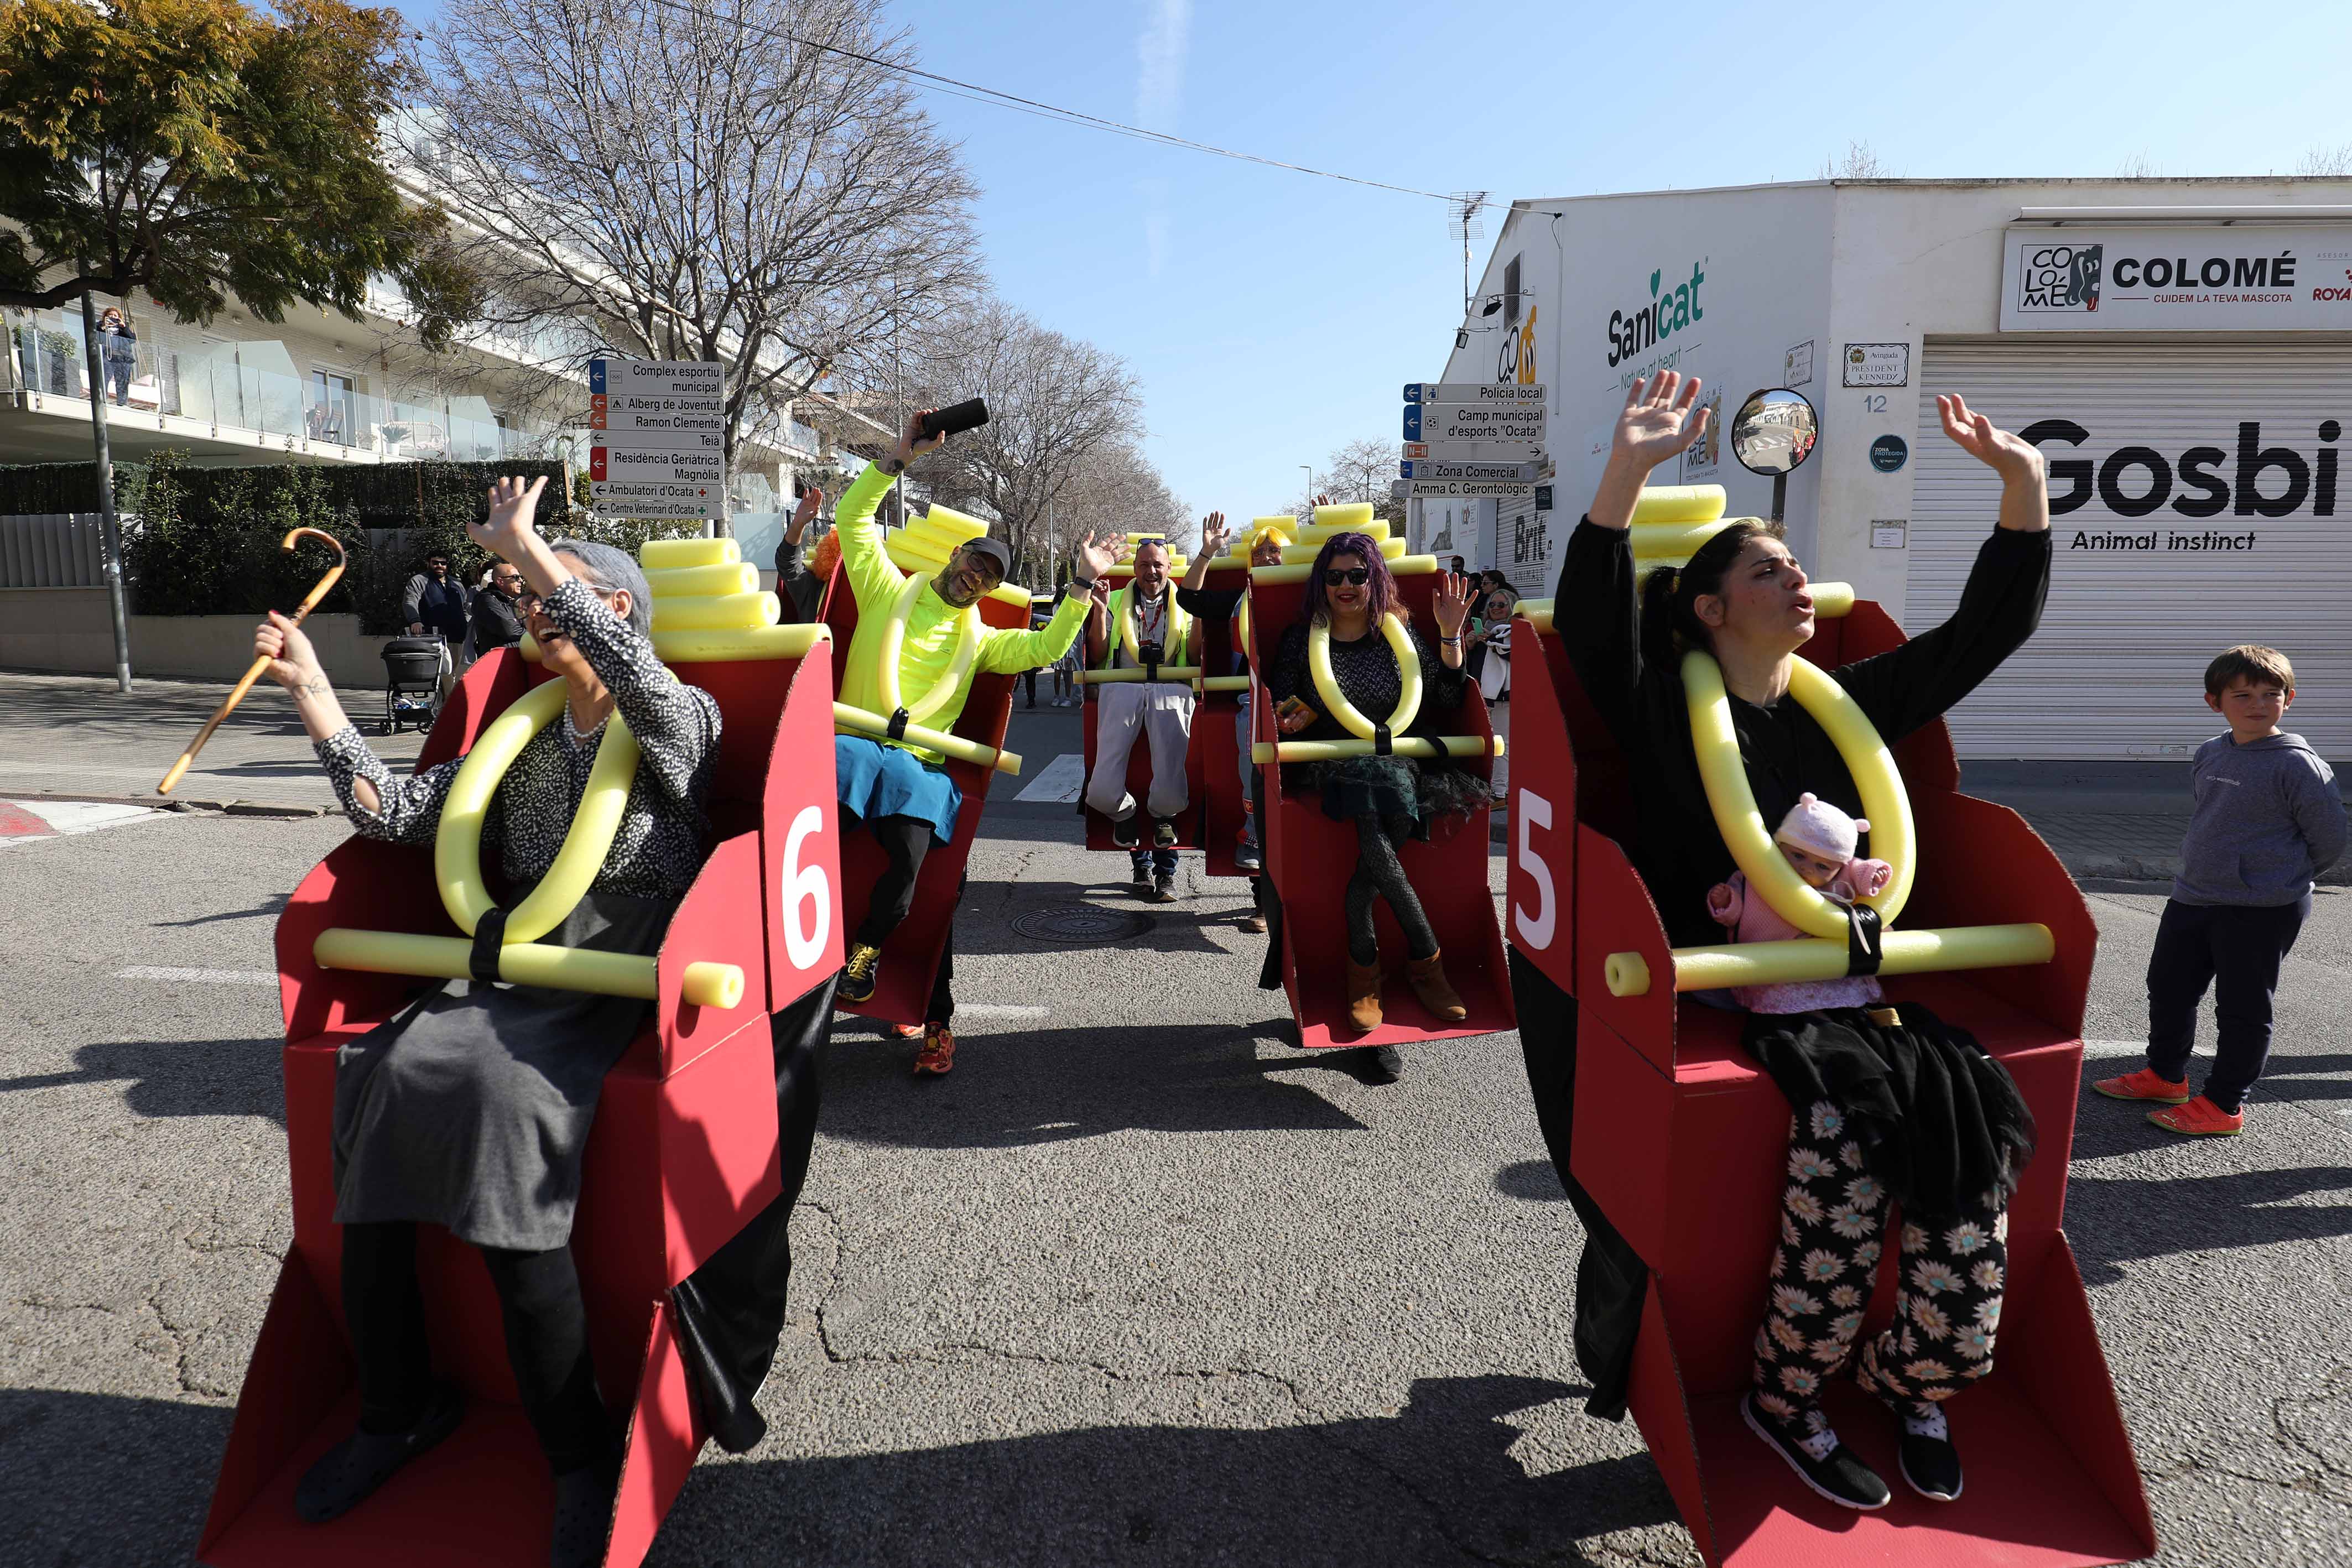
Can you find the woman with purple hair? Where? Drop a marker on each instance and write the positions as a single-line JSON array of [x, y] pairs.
[[1349, 594]]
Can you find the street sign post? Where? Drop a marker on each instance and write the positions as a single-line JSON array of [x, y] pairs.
[[635, 411], [607, 507], [1473, 392], [650, 439], [1491, 472], [1475, 451], [659, 444], [658, 378], [1463, 489], [1473, 422], [656, 464]]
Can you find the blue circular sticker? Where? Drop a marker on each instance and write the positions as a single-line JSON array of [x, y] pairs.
[[1888, 453]]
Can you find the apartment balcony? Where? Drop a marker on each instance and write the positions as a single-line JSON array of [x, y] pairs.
[[240, 402]]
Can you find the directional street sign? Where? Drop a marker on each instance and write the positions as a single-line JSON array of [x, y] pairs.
[[1463, 489], [685, 440], [658, 378], [1490, 473], [675, 467], [1472, 391], [605, 490], [1474, 451], [634, 411], [613, 509], [1472, 422]]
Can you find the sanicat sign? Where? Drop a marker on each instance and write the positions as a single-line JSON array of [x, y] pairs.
[[1669, 311]]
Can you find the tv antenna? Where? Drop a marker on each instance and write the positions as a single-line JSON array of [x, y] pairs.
[[1466, 225]]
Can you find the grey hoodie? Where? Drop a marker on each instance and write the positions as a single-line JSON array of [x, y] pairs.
[[2268, 821]]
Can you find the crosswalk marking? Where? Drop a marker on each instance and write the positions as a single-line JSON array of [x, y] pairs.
[[200, 976], [1058, 781], [23, 822]]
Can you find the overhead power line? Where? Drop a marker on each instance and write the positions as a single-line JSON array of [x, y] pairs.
[[952, 86]]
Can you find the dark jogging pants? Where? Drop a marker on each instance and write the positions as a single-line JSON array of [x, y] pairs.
[[2237, 950]]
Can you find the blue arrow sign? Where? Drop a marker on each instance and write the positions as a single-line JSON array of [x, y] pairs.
[[1413, 422], [595, 376]]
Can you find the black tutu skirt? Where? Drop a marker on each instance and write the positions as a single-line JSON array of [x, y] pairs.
[[1392, 787]]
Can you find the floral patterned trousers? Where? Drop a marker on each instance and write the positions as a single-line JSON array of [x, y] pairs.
[[1948, 1296]]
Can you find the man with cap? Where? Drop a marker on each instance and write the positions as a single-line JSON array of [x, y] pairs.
[[894, 788], [1161, 711]]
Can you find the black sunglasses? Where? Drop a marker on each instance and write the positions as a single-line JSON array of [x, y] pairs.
[[1354, 576]]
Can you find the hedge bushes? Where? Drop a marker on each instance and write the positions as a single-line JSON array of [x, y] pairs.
[[204, 541]]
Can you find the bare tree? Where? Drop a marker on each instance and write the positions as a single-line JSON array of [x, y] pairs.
[[1360, 471], [1860, 162], [2332, 162], [2139, 166], [1056, 403], [739, 181], [1116, 489]]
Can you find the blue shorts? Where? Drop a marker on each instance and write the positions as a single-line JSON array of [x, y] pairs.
[[879, 781]]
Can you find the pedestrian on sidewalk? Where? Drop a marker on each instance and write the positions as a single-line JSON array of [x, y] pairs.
[[498, 610], [2268, 822]]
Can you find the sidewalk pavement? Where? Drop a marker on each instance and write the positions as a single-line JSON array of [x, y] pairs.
[[72, 737], [75, 737]]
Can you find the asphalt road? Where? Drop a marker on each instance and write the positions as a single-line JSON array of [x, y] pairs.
[[1136, 1284]]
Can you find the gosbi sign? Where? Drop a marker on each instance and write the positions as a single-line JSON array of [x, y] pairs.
[[2208, 278], [2212, 497]]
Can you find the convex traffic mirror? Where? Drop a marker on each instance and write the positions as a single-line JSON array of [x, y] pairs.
[[1774, 431]]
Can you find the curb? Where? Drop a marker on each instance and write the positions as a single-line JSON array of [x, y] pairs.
[[184, 804]]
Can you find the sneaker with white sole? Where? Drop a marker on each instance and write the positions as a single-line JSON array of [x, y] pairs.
[[1821, 1461], [1930, 1463]]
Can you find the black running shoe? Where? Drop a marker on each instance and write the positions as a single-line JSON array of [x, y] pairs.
[[1163, 889], [1163, 833], [1248, 858], [1122, 832], [859, 974], [583, 1516], [1821, 1461], [348, 1473], [1930, 1463]]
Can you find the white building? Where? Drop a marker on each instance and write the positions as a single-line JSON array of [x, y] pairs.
[[2181, 350]]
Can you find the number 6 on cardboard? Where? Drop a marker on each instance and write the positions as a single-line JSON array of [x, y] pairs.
[[800, 884]]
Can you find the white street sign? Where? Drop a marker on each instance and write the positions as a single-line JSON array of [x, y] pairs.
[[1472, 391], [630, 411], [1464, 489], [1470, 422], [682, 440], [611, 507], [1490, 473], [658, 378], [675, 467], [1474, 451], [653, 490]]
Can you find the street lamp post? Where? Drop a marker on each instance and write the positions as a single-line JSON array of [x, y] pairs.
[[1310, 486]]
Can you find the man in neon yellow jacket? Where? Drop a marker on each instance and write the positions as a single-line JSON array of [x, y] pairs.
[[894, 789]]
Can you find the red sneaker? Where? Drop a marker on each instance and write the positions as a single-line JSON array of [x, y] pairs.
[[2200, 1118], [907, 1031], [938, 1054], [2144, 1085]]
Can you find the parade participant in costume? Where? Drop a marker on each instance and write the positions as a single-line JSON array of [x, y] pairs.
[[1202, 602], [1390, 799], [894, 789], [472, 1109], [1886, 1103], [1142, 626]]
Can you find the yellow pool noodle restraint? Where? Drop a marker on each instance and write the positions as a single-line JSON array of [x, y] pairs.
[[944, 742], [1126, 616], [894, 637], [1335, 701], [1263, 751]]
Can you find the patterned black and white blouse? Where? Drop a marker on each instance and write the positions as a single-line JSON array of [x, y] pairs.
[[1366, 670], [660, 847]]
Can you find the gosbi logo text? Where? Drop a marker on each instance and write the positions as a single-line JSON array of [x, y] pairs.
[[1669, 311], [2253, 481], [2059, 276]]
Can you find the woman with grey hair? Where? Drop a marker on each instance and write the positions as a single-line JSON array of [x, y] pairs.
[[470, 1110]]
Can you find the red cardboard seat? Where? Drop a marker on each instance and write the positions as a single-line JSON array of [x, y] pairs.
[[1680, 1139], [684, 1151]]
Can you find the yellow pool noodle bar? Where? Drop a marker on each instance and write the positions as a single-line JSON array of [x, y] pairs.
[[1830, 601], [1167, 672], [727, 645], [948, 523], [1782, 963], [703, 581], [717, 612], [524, 964], [1679, 504], [1304, 554], [1266, 751], [938, 740], [1315, 533], [1349, 516], [1399, 566], [670, 555], [1653, 542], [1222, 683]]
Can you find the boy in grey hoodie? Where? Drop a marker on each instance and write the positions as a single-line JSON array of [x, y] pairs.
[[2268, 822]]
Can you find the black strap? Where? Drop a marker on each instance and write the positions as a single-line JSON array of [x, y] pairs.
[[489, 935], [1864, 948], [1382, 746], [897, 730], [1150, 669]]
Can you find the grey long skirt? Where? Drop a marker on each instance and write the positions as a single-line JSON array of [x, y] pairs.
[[470, 1110]]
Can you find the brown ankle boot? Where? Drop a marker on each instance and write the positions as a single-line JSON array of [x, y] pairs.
[[1364, 994], [1428, 983]]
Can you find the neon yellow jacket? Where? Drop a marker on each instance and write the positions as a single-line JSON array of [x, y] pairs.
[[931, 625]]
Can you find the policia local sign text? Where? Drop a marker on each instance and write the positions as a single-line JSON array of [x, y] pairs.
[[2243, 278]]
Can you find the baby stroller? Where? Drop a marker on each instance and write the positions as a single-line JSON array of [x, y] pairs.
[[413, 667]]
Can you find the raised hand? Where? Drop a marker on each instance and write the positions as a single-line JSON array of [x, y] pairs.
[[1989, 444], [1657, 420], [913, 443], [1214, 534], [512, 506], [1095, 554], [293, 663], [1452, 603]]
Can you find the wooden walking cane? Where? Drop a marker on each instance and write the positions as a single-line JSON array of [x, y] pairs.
[[237, 694]]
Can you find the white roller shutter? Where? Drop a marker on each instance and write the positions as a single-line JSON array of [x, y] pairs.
[[2117, 671]]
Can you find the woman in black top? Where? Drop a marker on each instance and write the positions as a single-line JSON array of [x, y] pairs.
[[1390, 798], [1916, 1107]]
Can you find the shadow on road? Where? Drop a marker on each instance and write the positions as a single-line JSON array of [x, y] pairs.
[[2118, 1221], [1436, 1482], [96, 1478], [1533, 1180]]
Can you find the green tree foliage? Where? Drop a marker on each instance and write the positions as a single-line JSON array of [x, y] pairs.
[[204, 153]]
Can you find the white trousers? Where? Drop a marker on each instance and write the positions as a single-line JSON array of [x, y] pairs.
[[1162, 711]]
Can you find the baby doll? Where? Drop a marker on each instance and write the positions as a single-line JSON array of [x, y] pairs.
[[1819, 840]]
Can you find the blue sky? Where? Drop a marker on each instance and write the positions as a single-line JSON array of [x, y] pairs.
[[1272, 315]]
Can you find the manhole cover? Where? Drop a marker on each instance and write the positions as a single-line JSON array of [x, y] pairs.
[[1081, 924]]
